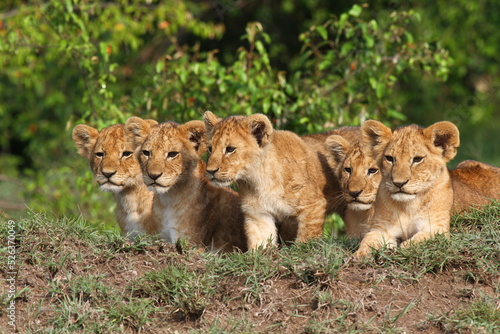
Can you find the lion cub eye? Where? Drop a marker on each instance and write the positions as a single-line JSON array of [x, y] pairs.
[[172, 154], [416, 160], [348, 170], [389, 158], [372, 171], [146, 153], [126, 154], [209, 150], [230, 149], [99, 154]]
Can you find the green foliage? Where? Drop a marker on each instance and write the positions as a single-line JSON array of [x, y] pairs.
[[354, 64], [471, 95], [348, 68]]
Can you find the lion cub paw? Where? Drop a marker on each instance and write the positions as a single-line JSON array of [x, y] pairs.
[[407, 243], [360, 254]]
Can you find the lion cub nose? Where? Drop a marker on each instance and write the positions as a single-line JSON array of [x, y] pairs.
[[154, 176], [108, 174], [212, 171], [400, 184], [355, 193]]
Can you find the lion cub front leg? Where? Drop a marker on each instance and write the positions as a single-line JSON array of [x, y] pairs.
[[429, 232], [260, 230], [374, 240], [310, 222]]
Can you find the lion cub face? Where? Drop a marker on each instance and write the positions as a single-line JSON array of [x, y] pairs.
[[411, 158], [110, 154], [168, 152], [357, 172], [235, 146]]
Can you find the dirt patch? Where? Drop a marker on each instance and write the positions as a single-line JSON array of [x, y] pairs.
[[360, 297]]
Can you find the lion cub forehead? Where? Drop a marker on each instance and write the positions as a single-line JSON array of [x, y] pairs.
[[358, 156], [353, 155], [408, 132], [231, 124], [111, 137], [230, 129], [165, 130], [232, 121], [409, 140], [164, 134]]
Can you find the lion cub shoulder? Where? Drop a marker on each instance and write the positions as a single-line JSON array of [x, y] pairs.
[[415, 195], [474, 184], [186, 204], [116, 169]]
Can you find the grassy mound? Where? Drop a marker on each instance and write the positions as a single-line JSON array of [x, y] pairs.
[[69, 277]]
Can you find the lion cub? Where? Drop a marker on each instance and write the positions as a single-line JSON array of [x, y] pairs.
[[116, 169], [359, 177], [279, 176], [415, 196], [186, 204], [474, 183]]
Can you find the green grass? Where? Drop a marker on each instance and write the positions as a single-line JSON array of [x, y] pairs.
[[74, 278], [185, 290], [482, 316]]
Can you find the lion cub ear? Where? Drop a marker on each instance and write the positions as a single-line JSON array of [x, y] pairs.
[[260, 127], [446, 136], [85, 138], [137, 129], [338, 146], [210, 120], [197, 135], [151, 122], [376, 136]]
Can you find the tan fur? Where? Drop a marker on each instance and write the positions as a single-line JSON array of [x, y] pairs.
[[359, 177], [117, 170], [280, 177], [474, 184], [186, 204], [415, 196]]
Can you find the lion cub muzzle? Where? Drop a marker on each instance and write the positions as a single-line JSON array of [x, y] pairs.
[[213, 176], [210, 173], [355, 202], [108, 174], [108, 179]]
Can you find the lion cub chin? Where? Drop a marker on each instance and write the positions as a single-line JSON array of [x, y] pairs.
[[278, 174], [116, 169], [415, 196], [186, 204]]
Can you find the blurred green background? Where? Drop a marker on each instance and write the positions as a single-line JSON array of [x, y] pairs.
[[310, 65]]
